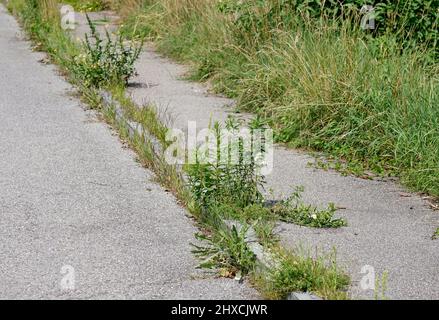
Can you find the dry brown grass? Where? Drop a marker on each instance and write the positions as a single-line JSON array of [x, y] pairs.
[[124, 7], [49, 9]]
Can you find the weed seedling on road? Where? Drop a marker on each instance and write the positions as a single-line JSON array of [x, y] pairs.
[[293, 210]]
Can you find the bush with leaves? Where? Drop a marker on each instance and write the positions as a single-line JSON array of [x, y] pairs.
[[105, 62], [304, 273], [218, 182]]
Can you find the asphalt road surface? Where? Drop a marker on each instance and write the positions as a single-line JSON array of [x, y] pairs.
[[80, 218]]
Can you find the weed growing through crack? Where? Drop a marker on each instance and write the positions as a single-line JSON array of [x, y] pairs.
[[381, 287], [226, 250], [226, 191], [304, 274], [293, 210], [217, 182], [221, 190], [235, 189], [105, 62]]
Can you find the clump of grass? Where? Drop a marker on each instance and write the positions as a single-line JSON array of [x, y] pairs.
[[105, 62], [302, 273], [435, 234], [381, 287]]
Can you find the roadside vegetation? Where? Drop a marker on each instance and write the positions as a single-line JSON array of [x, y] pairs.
[[87, 5], [215, 194], [367, 97], [105, 61]]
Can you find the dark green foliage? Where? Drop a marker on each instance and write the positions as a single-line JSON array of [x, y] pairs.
[[414, 21]]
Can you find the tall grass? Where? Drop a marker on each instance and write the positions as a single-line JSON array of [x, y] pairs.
[[49, 10], [123, 6], [323, 84]]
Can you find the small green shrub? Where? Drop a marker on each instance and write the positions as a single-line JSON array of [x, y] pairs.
[[212, 184], [106, 61], [221, 182]]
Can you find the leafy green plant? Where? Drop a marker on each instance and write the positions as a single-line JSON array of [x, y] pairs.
[[105, 62], [225, 250], [293, 210], [435, 234], [221, 181]]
